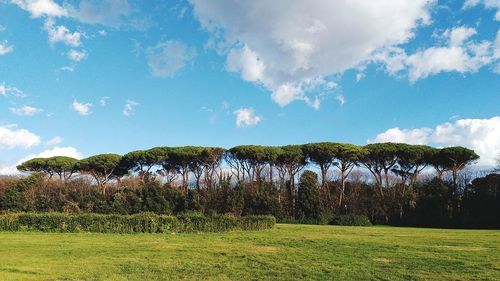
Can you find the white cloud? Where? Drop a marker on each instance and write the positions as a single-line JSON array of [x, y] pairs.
[[67, 68], [39, 8], [76, 56], [25, 110], [82, 108], [340, 99], [129, 107], [284, 49], [496, 53], [54, 141], [245, 117], [105, 12], [5, 48], [489, 4], [60, 33], [103, 101], [12, 137], [411, 136], [168, 57], [246, 62], [55, 151], [10, 91], [482, 135], [460, 54]]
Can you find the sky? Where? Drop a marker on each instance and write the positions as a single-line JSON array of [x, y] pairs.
[[79, 78]]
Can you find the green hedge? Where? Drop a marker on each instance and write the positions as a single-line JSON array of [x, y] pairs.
[[352, 220], [143, 222]]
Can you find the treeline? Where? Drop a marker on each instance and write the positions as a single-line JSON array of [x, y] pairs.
[[253, 179]]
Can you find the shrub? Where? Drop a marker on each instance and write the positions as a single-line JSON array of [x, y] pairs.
[[350, 220], [309, 206], [261, 199], [137, 223]]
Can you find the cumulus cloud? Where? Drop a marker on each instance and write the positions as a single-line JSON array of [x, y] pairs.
[[166, 58], [25, 110], [13, 137], [40, 8], [246, 117], [482, 135], [246, 62], [55, 151], [82, 108], [129, 107], [60, 33], [489, 4], [459, 54], [288, 50], [411, 136], [5, 48], [76, 56], [54, 141]]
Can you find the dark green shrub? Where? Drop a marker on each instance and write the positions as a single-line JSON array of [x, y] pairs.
[[309, 205], [153, 200], [350, 220], [14, 197], [137, 223], [261, 199]]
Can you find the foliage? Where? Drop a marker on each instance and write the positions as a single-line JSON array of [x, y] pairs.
[[350, 220], [102, 167], [309, 205], [142, 222], [263, 180]]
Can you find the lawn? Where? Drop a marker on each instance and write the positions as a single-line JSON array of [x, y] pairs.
[[287, 252]]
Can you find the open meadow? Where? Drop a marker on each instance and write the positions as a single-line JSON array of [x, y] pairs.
[[287, 252]]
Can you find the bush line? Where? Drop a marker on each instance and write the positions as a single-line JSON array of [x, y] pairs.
[[137, 223]]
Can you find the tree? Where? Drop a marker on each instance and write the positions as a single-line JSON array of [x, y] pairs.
[[347, 157], [438, 161], [271, 154], [251, 159], [290, 160], [379, 160], [183, 159], [36, 165], [323, 155], [140, 161], [456, 158], [62, 166], [161, 157], [412, 160], [102, 168], [308, 198], [211, 159]]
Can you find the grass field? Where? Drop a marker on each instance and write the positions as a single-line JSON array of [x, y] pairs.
[[286, 252]]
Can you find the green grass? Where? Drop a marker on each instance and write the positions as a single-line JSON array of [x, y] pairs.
[[287, 252]]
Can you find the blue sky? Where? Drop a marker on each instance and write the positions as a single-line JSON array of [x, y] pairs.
[[84, 77]]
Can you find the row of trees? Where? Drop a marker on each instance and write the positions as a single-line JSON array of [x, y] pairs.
[[429, 203], [281, 165]]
